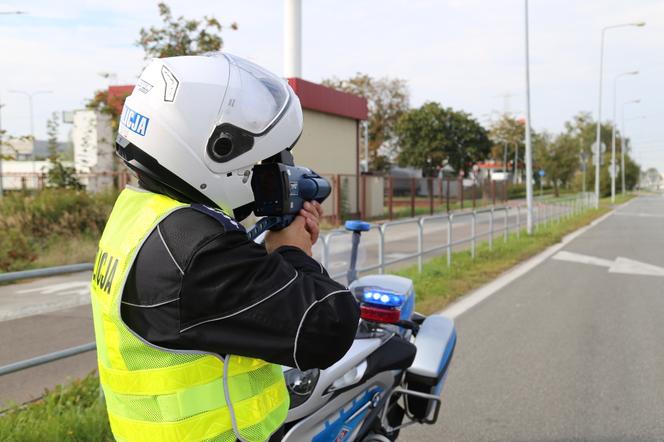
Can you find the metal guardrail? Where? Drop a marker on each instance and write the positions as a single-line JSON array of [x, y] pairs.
[[43, 359], [48, 271], [546, 213]]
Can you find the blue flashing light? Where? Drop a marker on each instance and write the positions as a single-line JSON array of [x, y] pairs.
[[382, 298]]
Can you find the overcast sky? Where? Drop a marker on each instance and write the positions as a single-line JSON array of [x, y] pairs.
[[466, 54]]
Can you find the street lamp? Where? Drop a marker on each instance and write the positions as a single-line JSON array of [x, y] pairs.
[[599, 103], [30, 96], [622, 142], [1, 192], [529, 152], [613, 134], [1, 188]]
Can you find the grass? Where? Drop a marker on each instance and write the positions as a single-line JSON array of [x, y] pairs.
[[75, 412], [50, 227], [439, 285], [67, 250]]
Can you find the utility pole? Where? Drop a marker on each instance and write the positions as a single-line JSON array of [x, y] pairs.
[[293, 38], [30, 96], [613, 134], [598, 142], [1, 177], [623, 139], [529, 153], [1, 105], [366, 145]]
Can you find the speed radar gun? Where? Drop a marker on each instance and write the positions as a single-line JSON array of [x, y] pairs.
[[280, 191]]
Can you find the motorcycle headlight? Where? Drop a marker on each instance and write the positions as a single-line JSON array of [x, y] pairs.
[[300, 384]]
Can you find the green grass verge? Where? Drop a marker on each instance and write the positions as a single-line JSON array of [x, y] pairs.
[[75, 412], [438, 285]]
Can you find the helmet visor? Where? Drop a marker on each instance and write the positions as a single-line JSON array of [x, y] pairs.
[[263, 98]]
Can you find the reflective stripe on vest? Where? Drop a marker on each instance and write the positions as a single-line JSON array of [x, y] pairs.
[[154, 393]]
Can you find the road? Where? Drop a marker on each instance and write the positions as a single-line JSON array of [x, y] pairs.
[[50, 314], [571, 351], [40, 334]]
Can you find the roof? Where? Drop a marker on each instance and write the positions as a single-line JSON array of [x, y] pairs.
[[312, 96], [325, 99]]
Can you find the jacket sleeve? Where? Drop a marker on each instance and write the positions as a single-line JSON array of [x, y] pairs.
[[280, 307], [226, 295]]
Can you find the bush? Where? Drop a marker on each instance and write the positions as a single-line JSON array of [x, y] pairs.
[[33, 222], [73, 413]]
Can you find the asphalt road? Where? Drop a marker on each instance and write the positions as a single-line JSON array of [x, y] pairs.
[[51, 314], [571, 351], [40, 334]]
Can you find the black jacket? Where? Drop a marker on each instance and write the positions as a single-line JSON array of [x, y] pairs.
[[199, 284]]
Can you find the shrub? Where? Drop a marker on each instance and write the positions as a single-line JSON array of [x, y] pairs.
[[32, 222], [73, 413]]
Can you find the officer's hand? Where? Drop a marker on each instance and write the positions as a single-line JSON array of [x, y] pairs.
[[313, 212], [295, 235]]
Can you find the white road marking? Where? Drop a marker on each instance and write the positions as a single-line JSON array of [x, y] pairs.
[[73, 286], [583, 259], [396, 255], [631, 267], [639, 215], [471, 300], [619, 265]]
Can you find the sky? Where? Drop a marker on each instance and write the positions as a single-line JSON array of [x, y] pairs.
[[467, 54]]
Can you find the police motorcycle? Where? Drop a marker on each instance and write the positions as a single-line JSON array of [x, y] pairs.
[[393, 374]]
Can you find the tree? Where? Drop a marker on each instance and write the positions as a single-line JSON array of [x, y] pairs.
[[559, 157], [58, 175], [582, 128], [387, 99], [106, 104], [181, 36], [507, 135], [432, 136]]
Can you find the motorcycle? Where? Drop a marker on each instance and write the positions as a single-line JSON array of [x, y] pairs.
[[390, 378]]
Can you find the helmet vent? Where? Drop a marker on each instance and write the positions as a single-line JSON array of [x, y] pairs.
[[228, 142], [222, 147]]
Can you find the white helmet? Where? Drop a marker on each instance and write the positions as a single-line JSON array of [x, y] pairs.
[[196, 125]]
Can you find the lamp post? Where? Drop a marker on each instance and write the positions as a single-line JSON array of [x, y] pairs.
[[30, 96], [599, 103], [529, 153], [613, 134], [1, 188], [624, 138]]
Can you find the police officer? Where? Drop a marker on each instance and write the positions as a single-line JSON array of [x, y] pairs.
[[193, 321]]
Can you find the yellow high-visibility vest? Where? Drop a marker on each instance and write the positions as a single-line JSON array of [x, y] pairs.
[[156, 394]]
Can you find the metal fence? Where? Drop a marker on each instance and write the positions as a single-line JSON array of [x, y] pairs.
[[546, 212], [512, 220]]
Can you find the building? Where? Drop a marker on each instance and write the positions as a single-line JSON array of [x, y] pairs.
[[94, 152], [24, 162], [330, 141], [25, 149], [19, 149]]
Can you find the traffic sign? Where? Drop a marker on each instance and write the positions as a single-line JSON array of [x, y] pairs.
[[542, 173], [595, 147], [617, 171]]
